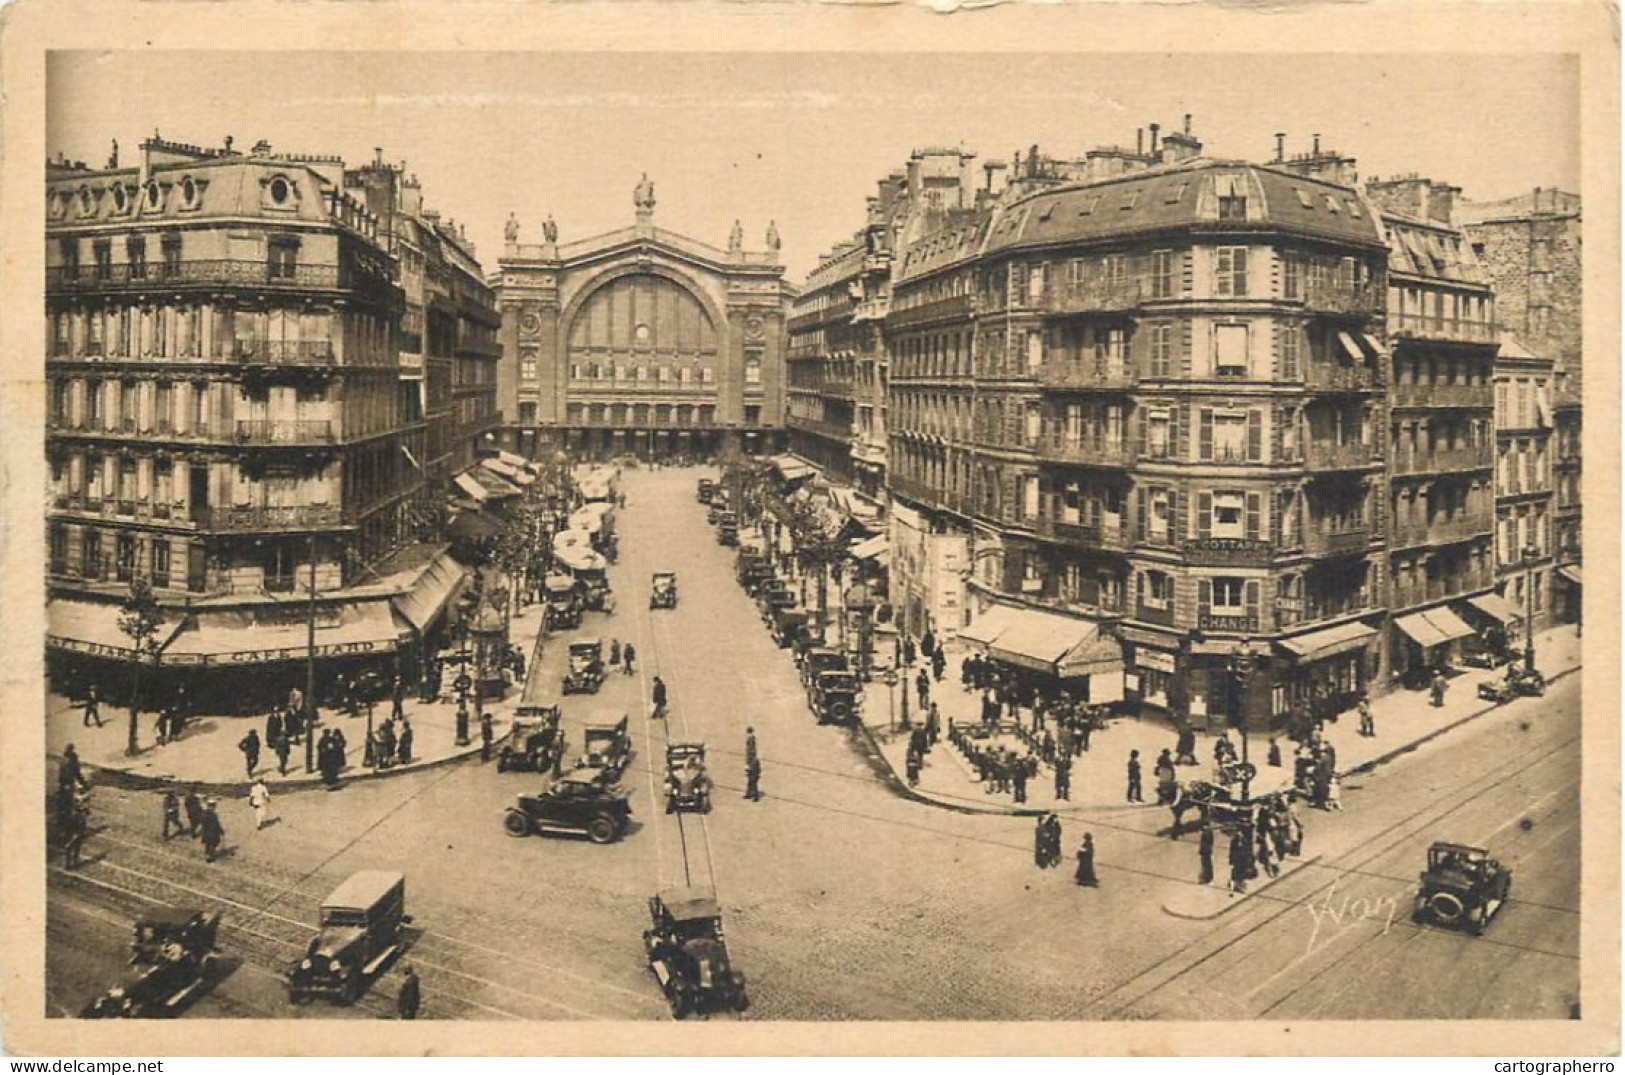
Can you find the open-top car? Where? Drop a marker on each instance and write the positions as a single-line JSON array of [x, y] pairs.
[[563, 602], [535, 742], [835, 697], [579, 803], [605, 744], [360, 932], [663, 590], [169, 956], [773, 596], [688, 955], [586, 671], [1519, 682], [688, 787], [1461, 887]]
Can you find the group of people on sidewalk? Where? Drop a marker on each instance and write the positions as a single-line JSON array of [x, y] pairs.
[[1047, 850]]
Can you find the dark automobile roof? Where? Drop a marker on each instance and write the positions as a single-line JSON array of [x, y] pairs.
[[364, 889], [606, 718], [1444, 845], [168, 915], [685, 903]]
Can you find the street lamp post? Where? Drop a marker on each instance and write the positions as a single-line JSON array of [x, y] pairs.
[[310, 667], [1242, 661], [1530, 555]]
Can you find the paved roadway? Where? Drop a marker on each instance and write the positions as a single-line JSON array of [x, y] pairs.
[[842, 899]]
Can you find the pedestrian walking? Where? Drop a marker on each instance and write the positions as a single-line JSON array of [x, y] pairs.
[[1063, 778], [250, 746], [397, 706], [76, 826], [92, 705], [213, 832], [283, 747], [1204, 854], [1167, 781], [1368, 723], [614, 652], [410, 996], [1265, 858], [912, 767], [487, 733], [194, 813], [172, 814], [753, 767], [657, 694], [1085, 873], [629, 657], [1241, 860], [384, 755], [1134, 793], [1274, 756], [1019, 777], [1334, 791], [71, 773], [922, 687], [939, 665], [1440, 685], [403, 749], [259, 797], [273, 727], [1054, 835], [933, 724], [1185, 747]]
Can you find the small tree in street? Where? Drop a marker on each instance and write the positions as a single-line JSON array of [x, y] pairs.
[[139, 619]]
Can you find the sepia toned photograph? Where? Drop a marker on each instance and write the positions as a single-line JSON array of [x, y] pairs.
[[742, 535]]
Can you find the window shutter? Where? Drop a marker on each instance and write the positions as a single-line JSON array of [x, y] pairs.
[[1205, 449], [1204, 515], [1140, 434], [1250, 591], [1178, 507], [1254, 512], [1187, 272], [1175, 450], [1277, 509], [1204, 596], [1139, 586], [1255, 435], [1238, 267]]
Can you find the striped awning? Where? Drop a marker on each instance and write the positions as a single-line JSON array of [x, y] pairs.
[[1328, 641], [87, 627]]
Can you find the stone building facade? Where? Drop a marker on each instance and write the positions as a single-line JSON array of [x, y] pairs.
[[642, 341]]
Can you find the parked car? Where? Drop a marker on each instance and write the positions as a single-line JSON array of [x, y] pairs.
[[563, 603], [821, 659], [577, 803], [688, 955], [586, 672], [663, 590], [360, 931], [786, 624], [170, 953], [535, 742], [703, 490], [605, 744], [688, 786], [775, 595], [728, 529], [836, 697], [1517, 683], [1461, 887]]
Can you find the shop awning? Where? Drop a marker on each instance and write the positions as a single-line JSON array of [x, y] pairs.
[[1328, 641], [1098, 655], [509, 471], [876, 548], [1038, 640], [495, 484], [1351, 348], [792, 469], [468, 485], [432, 591], [518, 461], [1571, 572], [1496, 607], [1377, 349], [86, 627], [989, 625], [578, 558], [240, 637], [1434, 627], [473, 525], [1449, 625]]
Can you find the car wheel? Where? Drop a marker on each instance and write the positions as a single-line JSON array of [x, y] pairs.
[[682, 998], [299, 997], [515, 823], [1446, 907], [350, 991], [601, 830]]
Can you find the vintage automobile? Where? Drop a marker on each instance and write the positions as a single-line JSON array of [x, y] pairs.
[[563, 603], [535, 742], [1462, 886], [663, 590], [576, 803], [703, 490], [1518, 683], [688, 955], [586, 672], [688, 787], [717, 508], [821, 659], [605, 745], [775, 595], [728, 529], [835, 697], [360, 932], [786, 624], [169, 957]]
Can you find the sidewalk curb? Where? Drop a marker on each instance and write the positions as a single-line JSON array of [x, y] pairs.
[[123, 778], [1383, 759], [1232, 904]]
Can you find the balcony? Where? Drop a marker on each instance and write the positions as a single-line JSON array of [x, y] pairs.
[[1443, 461], [1441, 395], [1322, 542], [1329, 455], [1337, 377], [1093, 536], [871, 310], [1332, 298], [284, 352], [914, 489], [212, 272], [1443, 329], [1067, 450], [1092, 296], [1442, 531], [247, 519], [1119, 378], [285, 432], [1228, 552], [1152, 614]]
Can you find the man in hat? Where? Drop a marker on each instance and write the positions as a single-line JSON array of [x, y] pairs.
[[259, 797], [213, 832], [409, 998], [93, 715], [194, 813], [250, 746], [172, 813], [753, 767], [487, 735]]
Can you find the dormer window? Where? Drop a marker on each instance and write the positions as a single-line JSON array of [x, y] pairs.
[[1232, 194], [1304, 199], [155, 196], [280, 190], [1332, 204], [121, 199], [189, 193], [1131, 201]]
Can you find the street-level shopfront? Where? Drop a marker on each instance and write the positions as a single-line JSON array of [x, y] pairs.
[[1193, 679], [1051, 650], [1426, 641], [84, 644], [1327, 670]]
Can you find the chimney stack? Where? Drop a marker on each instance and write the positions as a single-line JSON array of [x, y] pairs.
[[1280, 146], [1317, 145], [1155, 128], [1187, 123], [1139, 141]]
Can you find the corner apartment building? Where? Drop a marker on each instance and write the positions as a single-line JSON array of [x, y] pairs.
[[1529, 247], [1441, 434], [223, 396]]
